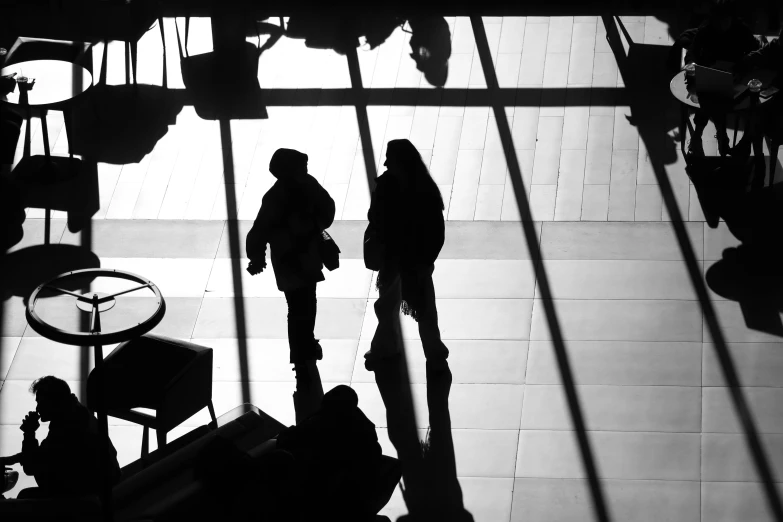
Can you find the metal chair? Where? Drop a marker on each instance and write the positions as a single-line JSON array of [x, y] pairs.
[[125, 21], [172, 377]]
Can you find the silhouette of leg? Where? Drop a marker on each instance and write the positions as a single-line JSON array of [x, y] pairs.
[[302, 308], [134, 58], [700, 120], [387, 310], [434, 349], [723, 138]]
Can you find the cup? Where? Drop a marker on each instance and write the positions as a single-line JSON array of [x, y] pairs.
[[754, 85], [10, 478], [690, 70]]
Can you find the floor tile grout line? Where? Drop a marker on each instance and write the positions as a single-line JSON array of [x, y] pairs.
[[701, 375], [361, 328]]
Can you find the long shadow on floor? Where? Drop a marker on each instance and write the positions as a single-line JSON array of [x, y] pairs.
[[121, 124], [646, 79], [431, 488], [745, 273], [542, 280], [25, 269]]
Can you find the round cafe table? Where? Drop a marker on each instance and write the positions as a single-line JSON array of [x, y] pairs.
[[125, 318], [56, 84], [689, 99]]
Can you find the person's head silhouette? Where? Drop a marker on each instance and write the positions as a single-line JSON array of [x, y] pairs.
[[287, 163], [340, 398], [403, 160], [723, 13], [53, 397]]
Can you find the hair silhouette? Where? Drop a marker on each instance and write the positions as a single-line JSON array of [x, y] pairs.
[[413, 169], [51, 386]]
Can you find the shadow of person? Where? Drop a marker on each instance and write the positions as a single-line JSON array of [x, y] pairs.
[[743, 273], [121, 124], [23, 270], [654, 111], [309, 392], [431, 47], [431, 488]]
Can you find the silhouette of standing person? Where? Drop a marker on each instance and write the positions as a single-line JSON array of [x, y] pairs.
[[406, 215], [293, 213]]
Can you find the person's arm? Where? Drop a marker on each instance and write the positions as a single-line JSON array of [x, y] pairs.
[[31, 454], [742, 40], [376, 213], [259, 235], [13, 459], [767, 56], [697, 50], [684, 41]]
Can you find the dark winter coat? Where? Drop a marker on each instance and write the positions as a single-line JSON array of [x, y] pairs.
[[293, 213]]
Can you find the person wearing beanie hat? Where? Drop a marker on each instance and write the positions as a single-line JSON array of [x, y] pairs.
[[293, 214]]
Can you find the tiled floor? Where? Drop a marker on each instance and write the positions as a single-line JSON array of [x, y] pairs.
[[661, 424]]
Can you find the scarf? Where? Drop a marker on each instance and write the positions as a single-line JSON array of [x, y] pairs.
[[414, 297]]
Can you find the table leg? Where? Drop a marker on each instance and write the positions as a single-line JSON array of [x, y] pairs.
[[68, 121], [103, 443], [127, 63], [133, 57], [28, 137], [47, 226], [683, 128], [45, 130]]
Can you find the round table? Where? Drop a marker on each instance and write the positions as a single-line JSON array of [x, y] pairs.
[[125, 324], [689, 99], [56, 83]]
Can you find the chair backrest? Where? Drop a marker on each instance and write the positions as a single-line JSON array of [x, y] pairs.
[[26, 49], [141, 370]]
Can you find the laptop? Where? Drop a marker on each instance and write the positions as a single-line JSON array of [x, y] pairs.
[[717, 82]]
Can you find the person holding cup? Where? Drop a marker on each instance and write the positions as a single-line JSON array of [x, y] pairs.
[[66, 462]]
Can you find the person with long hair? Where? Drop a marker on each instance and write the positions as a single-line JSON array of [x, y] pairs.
[[406, 215]]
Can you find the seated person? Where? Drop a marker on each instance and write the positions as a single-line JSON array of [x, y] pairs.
[[66, 462], [770, 56], [723, 37], [327, 467], [338, 452]]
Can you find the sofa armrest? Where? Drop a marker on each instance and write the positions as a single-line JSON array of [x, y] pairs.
[[82, 509]]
